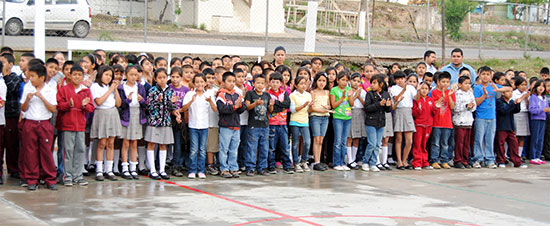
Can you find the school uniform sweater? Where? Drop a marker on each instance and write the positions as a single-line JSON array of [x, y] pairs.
[[125, 105], [423, 112], [505, 114], [537, 106], [464, 116], [73, 118], [13, 83]]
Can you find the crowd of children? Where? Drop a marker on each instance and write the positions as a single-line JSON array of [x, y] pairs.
[[125, 115]]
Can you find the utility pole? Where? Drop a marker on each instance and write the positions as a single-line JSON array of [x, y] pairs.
[[442, 32]]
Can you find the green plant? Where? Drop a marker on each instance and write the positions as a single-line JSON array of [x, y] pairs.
[[178, 11], [202, 27], [455, 11]]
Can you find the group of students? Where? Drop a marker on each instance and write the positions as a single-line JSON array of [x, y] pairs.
[[226, 118]]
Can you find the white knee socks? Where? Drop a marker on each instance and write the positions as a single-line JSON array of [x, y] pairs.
[[353, 154], [133, 166], [384, 158], [162, 160], [115, 160], [108, 166], [141, 157], [99, 167], [151, 160], [348, 154], [124, 166]]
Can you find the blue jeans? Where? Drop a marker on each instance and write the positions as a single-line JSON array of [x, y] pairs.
[[198, 147], [537, 138], [243, 146], [228, 148], [258, 140], [374, 138], [341, 131], [318, 125], [278, 135], [178, 155], [484, 134], [296, 131], [440, 145]]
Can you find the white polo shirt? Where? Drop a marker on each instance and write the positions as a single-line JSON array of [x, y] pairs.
[[98, 92], [37, 109]]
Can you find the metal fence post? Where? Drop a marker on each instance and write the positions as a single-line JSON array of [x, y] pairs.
[[266, 24], [527, 30], [481, 32], [131, 11], [145, 22], [368, 28], [3, 22], [427, 25]]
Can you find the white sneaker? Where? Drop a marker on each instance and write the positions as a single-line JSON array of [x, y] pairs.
[[339, 168], [346, 168], [428, 167], [191, 176], [418, 168], [365, 167], [202, 176], [523, 166], [305, 167], [374, 169]]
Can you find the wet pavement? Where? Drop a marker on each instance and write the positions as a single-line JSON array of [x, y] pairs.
[[440, 197]]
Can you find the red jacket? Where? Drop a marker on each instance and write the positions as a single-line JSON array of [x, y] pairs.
[[73, 118], [423, 111]]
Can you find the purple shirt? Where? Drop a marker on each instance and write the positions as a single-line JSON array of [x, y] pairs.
[[179, 92]]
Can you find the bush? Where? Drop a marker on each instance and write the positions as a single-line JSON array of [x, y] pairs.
[[455, 11]]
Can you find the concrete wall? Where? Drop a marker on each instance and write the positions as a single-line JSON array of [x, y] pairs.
[[539, 30], [276, 16], [117, 8]]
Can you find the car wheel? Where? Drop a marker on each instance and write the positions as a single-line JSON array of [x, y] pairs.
[[81, 29], [14, 27]]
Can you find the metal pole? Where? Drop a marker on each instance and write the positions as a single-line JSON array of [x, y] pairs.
[[481, 32], [40, 30], [442, 33], [145, 22], [427, 25], [266, 24], [131, 11], [527, 31], [3, 22], [368, 29]]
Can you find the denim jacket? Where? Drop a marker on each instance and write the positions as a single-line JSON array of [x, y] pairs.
[[159, 106]]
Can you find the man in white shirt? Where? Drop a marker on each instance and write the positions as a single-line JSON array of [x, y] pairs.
[[430, 59]]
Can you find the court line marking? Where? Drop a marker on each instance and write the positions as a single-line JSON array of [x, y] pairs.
[[360, 216], [284, 216]]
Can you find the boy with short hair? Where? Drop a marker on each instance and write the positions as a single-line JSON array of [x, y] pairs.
[[52, 67], [278, 131], [259, 104], [74, 100], [230, 106], [463, 120], [443, 125], [506, 129], [38, 102], [485, 123], [187, 75], [218, 76], [544, 73], [213, 128]]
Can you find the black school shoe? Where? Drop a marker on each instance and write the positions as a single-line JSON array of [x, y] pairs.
[[126, 175], [459, 165], [272, 171], [154, 176], [52, 187], [164, 176], [288, 171], [319, 167], [111, 176], [32, 187]]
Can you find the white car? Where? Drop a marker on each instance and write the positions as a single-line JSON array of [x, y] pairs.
[[62, 16]]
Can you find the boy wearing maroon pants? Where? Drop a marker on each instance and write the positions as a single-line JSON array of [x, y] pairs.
[[38, 102], [506, 129]]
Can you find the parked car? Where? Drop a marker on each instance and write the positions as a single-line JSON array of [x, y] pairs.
[[62, 16]]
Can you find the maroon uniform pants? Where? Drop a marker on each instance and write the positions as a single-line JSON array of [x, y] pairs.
[[510, 138], [420, 154], [36, 151], [462, 145], [11, 144]]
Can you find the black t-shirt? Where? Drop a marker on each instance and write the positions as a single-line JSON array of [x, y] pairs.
[[258, 117]]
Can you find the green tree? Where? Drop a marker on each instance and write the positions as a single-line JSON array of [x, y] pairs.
[[455, 11]]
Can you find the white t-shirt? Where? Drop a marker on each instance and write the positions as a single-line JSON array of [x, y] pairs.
[[37, 109], [430, 68], [98, 92], [244, 115], [357, 103], [213, 117], [198, 111], [134, 91], [523, 105], [408, 96], [52, 83], [3, 93]]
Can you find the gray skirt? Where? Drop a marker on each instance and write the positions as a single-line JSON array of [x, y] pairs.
[[134, 131], [522, 124], [403, 120], [159, 135], [357, 128], [388, 128], [106, 123]]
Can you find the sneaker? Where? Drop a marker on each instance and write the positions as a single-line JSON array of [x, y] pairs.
[[278, 165], [164, 176], [242, 169], [32, 187], [226, 174], [177, 172], [477, 165], [68, 183], [428, 168], [235, 174], [374, 169], [365, 167], [263, 173], [339, 168], [23, 183], [191, 176], [523, 166], [501, 165], [418, 168], [135, 175], [460, 166], [542, 161], [82, 182], [436, 165], [154, 176], [468, 166], [202, 176], [53, 187], [534, 162], [319, 167], [298, 168], [210, 169], [290, 171], [346, 168], [445, 166], [272, 171], [305, 167], [99, 177], [126, 175], [491, 166], [250, 173]]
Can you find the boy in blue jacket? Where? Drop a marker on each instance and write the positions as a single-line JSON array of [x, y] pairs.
[[506, 129]]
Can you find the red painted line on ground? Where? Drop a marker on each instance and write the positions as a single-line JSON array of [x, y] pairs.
[[284, 216], [359, 216]]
